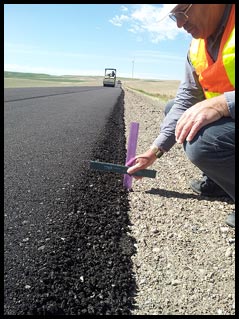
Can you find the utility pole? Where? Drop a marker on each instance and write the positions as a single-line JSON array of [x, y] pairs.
[[133, 69]]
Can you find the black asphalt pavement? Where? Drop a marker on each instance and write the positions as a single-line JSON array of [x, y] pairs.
[[67, 246]]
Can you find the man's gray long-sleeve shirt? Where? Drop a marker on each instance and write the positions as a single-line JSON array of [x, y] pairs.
[[190, 91]]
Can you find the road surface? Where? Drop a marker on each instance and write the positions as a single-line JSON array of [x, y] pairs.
[[66, 243]]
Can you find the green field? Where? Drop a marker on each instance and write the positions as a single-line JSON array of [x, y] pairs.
[[19, 79]]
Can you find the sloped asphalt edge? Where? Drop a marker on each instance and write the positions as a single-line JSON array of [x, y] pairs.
[[89, 271]]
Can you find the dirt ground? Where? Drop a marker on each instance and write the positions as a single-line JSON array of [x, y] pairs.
[[185, 258]]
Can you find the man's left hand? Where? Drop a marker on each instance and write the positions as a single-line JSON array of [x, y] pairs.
[[199, 115]]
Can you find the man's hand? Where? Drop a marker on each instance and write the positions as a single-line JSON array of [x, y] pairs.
[[142, 161], [199, 115]]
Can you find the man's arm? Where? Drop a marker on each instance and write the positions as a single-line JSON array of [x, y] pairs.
[[189, 93]]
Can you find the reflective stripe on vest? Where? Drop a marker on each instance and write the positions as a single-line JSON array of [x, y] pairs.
[[219, 76]]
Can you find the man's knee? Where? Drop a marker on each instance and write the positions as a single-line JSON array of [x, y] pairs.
[[214, 141], [195, 152]]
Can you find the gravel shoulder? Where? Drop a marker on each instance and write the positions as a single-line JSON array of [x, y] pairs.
[[185, 259]]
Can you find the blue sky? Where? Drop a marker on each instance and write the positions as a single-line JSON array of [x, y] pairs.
[[84, 39]]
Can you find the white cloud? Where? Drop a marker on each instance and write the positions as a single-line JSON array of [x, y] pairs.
[[123, 8], [149, 19], [119, 20]]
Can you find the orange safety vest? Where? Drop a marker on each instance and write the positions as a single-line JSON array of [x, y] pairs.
[[219, 76]]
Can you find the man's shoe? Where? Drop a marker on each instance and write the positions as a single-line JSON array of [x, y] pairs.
[[206, 187], [230, 221]]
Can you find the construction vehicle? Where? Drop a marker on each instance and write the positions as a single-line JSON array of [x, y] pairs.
[[110, 77]]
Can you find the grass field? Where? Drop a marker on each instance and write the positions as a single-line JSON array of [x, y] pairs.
[[163, 89], [18, 79]]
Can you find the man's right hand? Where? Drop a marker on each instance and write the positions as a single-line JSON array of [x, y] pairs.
[[142, 161]]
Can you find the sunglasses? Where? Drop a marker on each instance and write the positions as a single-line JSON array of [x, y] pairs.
[[180, 16]]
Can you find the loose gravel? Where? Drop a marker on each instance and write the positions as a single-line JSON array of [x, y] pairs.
[[185, 257]]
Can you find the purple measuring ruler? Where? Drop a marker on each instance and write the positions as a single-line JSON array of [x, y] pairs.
[[131, 151]]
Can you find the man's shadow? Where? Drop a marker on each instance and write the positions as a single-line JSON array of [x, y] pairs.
[[169, 193]]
